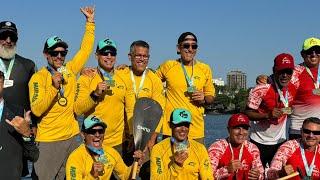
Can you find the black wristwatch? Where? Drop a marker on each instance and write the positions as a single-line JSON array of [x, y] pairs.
[[94, 97]]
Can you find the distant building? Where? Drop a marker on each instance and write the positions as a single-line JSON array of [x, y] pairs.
[[237, 79], [218, 82]]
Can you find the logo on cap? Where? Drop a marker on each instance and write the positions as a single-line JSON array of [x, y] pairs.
[[285, 60], [183, 114], [8, 23]]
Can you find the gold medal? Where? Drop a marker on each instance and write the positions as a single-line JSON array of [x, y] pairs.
[[62, 101], [111, 82], [316, 91], [191, 89], [287, 110]]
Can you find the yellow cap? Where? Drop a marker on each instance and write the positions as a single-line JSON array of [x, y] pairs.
[[310, 42]]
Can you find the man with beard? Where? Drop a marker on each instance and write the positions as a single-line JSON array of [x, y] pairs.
[[17, 71], [235, 157], [52, 93], [91, 160], [268, 106], [306, 80], [302, 154], [188, 85]]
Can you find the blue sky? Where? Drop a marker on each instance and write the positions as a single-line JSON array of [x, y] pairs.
[[232, 35]]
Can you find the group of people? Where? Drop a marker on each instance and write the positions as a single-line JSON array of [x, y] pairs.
[[39, 111]]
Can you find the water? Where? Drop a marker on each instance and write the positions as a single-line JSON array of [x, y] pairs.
[[215, 128]]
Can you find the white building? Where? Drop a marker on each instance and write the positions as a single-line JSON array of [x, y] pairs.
[[218, 82]]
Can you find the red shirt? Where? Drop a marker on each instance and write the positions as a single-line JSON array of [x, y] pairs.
[[289, 153], [220, 156]]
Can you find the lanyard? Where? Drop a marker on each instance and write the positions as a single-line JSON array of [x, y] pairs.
[[308, 169], [136, 92], [189, 79], [316, 83], [106, 74], [1, 108], [6, 71], [51, 70], [240, 153], [283, 99]]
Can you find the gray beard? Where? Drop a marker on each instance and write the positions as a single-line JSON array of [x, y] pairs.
[[7, 53]]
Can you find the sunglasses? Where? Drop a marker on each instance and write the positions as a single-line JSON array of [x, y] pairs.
[[307, 131], [5, 35], [311, 50], [112, 53], [241, 126], [56, 53], [94, 131], [286, 71], [187, 46]]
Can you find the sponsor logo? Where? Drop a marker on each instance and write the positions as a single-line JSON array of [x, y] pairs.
[[73, 173], [158, 162], [36, 91], [143, 128]]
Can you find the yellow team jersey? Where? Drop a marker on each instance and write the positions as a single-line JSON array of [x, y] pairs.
[[58, 122], [152, 88], [177, 96], [111, 109], [79, 164], [196, 166]]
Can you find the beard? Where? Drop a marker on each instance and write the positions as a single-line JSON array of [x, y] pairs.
[[7, 53]]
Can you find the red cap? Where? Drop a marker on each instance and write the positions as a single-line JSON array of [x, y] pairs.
[[283, 61], [238, 119]]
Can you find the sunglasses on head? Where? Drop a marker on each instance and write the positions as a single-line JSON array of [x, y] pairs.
[[112, 53], [307, 131], [94, 131], [187, 46], [312, 50], [5, 35], [56, 53]]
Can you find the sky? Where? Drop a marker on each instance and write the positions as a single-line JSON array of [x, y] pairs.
[[242, 35]]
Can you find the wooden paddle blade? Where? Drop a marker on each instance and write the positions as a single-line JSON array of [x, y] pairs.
[[146, 117]]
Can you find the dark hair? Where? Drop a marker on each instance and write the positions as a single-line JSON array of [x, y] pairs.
[[311, 120], [139, 43]]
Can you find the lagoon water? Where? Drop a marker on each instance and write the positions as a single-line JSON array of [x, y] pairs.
[[215, 128]]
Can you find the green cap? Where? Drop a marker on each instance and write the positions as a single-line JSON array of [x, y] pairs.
[[310, 42], [92, 121], [180, 115], [55, 41], [105, 43]]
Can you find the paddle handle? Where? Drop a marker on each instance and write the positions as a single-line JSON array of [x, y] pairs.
[[134, 170], [289, 176]]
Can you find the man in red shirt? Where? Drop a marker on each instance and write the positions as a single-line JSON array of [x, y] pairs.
[[301, 153], [268, 106], [306, 81], [235, 156]]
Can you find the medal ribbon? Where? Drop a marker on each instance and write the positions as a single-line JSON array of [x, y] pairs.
[[106, 74], [308, 169], [6, 71], [189, 79], [136, 92], [283, 99], [240, 153], [51, 70], [316, 83]]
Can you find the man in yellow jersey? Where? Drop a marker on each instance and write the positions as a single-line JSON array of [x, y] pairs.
[[178, 157], [52, 92], [188, 85], [145, 83], [106, 94], [92, 161]]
